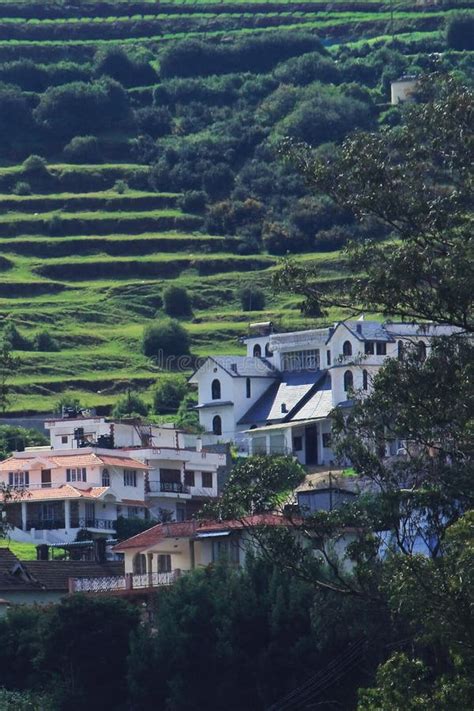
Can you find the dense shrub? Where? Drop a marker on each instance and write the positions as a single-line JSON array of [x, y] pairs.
[[15, 116], [81, 108], [114, 62], [252, 299], [35, 165], [165, 339], [22, 188], [168, 394], [460, 32], [120, 186], [130, 405], [43, 341], [307, 69], [155, 121], [193, 201], [276, 238], [14, 438], [17, 341], [83, 149], [177, 302]]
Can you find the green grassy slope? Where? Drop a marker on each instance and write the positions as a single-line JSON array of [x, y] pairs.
[[89, 263]]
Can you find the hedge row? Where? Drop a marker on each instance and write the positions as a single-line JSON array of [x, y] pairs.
[[77, 180], [49, 249], [19, 289], [40, 203], [134, 269]]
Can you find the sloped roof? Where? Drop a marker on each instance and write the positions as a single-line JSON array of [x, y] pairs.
[[13, 573], [420, 329], [292, 391], [243, 366], [55, 574], [66, 491], [318, 405], [55, 460], [365, 330], [187, 529]]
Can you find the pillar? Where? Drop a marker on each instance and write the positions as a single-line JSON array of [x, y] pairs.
[[320, 444], [23, 516], [149, 568], [67, 514]]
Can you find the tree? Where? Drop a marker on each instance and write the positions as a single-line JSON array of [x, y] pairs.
[[187, 416], [43, 341], [426, 271], [14, 438], [460, 32], [8, 364], [165, 339], [168, 394], [130, 405], [252, 299], [176, 302], [67, 401]]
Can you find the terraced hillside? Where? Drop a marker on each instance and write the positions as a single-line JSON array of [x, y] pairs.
[[158, 124]]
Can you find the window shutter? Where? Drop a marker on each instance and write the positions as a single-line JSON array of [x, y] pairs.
[[68, 475], [27, 478], [10, 478], [84, 475]]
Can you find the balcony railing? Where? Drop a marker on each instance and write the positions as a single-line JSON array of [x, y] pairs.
[[45, 524], [122, 583], [101, 523], [168, 487]]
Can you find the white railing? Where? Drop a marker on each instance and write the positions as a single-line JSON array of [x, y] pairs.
[[104, 584], [113, 583]]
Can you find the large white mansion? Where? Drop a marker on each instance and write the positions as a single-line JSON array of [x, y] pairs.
[[279, 396]]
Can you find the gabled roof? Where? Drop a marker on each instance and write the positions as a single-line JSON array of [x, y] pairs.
[[241, 367], [317, 405], [55, 574], [189, 529], [364, 330], [13, 573], [66, 491]]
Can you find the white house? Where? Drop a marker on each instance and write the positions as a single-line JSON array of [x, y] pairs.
[[278, 398], [403, 89], [96, 470]]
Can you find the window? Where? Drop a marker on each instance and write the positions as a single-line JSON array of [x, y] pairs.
[[134, 511], [217, 425], [301, 360], [268, 353], [180, 512], [248, 387], [365, 380], [216, 389], [347, 348], [90, 514], [369, 348], [257, 351], [297, 444], [105, 477], [164, 563], [328, 357], [225, 550], [46, 479], [139, 564], [129, 477], [381, 348], [326, 440], [19, 479], [64, 439], [348, 381], [401, 350], [79, 474], [189, 478], [206, 480], [421, 350]]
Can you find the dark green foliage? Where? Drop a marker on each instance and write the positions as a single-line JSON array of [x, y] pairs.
[[460, 32], [16, 340], [35, 165], [155, 121], [16, 115], [22, 188], [187, 417], [117, 64], [67, 401], [165, 339], [177, 302], [168, 394], [79, 108], [130, 526], [43, 341], [252, 299], [14, 438], [130, 405], [193, 201], [23, 701], [83, 149]]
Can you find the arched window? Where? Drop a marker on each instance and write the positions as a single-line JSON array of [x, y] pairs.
[[401, 350], [257, 351], [105, 477], [268, 353], [216, 389], [139, 564], [421, 348], [248, 387], [217, 425], [347, 348], [365, 380], [348, 381]]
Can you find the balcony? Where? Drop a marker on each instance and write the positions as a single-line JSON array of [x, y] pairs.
[[104, 524], [167, 487], [51, 524], [48, 524], [122, 583]]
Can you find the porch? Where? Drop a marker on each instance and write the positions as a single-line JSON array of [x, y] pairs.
[[308, 440], [61, 515]]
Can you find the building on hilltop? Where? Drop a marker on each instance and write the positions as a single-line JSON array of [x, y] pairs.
[[97, 469], [278, 398]]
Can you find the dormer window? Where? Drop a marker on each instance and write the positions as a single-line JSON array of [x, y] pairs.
[[347, 348], [257, 351], [216, 389]]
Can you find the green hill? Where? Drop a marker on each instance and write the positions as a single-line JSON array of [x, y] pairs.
[[159, 127]]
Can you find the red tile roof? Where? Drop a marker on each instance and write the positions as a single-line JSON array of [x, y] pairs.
[[55, 460], [66, 491], [187, 529]]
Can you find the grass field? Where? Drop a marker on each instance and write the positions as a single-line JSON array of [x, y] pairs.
[[23, 551]]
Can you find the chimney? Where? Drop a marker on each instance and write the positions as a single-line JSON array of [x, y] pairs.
[[359, 327], [284, 407], [99, 550], [233, 367]]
